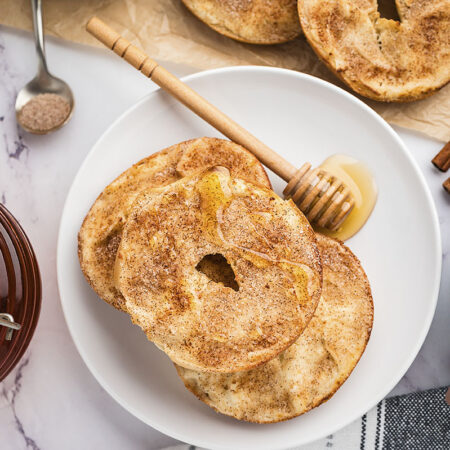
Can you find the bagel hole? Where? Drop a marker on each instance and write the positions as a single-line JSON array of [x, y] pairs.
[[216, 268], [388, 10]]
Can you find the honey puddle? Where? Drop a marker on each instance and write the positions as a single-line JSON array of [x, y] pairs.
[[362, 184]]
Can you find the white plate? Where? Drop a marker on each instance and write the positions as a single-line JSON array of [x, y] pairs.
[[305, 119]]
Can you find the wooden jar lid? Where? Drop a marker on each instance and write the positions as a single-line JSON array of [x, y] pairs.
[[19, 273]]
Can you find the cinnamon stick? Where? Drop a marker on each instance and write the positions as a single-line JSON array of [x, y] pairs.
[[442, 159], [446, 185]]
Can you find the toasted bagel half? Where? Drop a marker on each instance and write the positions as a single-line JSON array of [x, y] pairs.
[[100, 234], [386, 60], [250, 21], [311, 370], [200, 323]]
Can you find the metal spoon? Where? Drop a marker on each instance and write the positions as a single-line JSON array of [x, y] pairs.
[[44, 82]]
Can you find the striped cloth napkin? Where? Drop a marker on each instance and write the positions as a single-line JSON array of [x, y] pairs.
[[418, 421]]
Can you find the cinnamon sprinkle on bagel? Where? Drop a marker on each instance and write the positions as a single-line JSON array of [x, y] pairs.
[[310, 371], [382, 59], [100, 234], [200, 323], [250, 21]]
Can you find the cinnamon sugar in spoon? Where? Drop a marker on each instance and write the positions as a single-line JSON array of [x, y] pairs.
[[321, 196], [45, 104]]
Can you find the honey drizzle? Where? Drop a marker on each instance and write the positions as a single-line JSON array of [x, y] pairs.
[[361, 183]]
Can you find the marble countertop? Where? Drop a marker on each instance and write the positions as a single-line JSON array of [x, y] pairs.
[[51, 401]]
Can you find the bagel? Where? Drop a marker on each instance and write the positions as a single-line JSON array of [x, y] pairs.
[[202, 324], [250, 21], [382, 59], [310, 371], [101, 231]]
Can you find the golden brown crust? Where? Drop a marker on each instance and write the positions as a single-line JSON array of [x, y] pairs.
[[100, 234], [310, 371], [202, 324], [250, 21], [379, 58]]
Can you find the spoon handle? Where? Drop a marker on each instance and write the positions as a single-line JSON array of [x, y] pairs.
[[196, 103], [36, 7]]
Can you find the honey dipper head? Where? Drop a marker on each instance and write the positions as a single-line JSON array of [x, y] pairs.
[[323, 198]]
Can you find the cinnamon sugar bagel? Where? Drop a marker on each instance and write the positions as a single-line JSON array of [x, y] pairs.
[[310, 371], [378, 58], [202, 324], [100, 234], [250, 21]]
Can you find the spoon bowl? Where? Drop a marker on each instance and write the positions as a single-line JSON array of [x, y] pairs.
[[44, 82]]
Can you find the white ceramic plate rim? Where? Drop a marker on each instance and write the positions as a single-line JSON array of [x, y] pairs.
[[436, 243]]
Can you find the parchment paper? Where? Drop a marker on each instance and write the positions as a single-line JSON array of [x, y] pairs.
[[169, 32]]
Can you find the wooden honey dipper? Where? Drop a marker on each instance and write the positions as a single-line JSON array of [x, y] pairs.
[[322, 197]]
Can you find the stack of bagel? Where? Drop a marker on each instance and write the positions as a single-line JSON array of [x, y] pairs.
[[394, 60], [263, 318]]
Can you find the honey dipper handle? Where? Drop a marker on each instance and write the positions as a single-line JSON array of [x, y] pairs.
[[196, 103]]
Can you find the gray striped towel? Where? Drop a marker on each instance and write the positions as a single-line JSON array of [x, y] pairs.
[[418, 421]]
